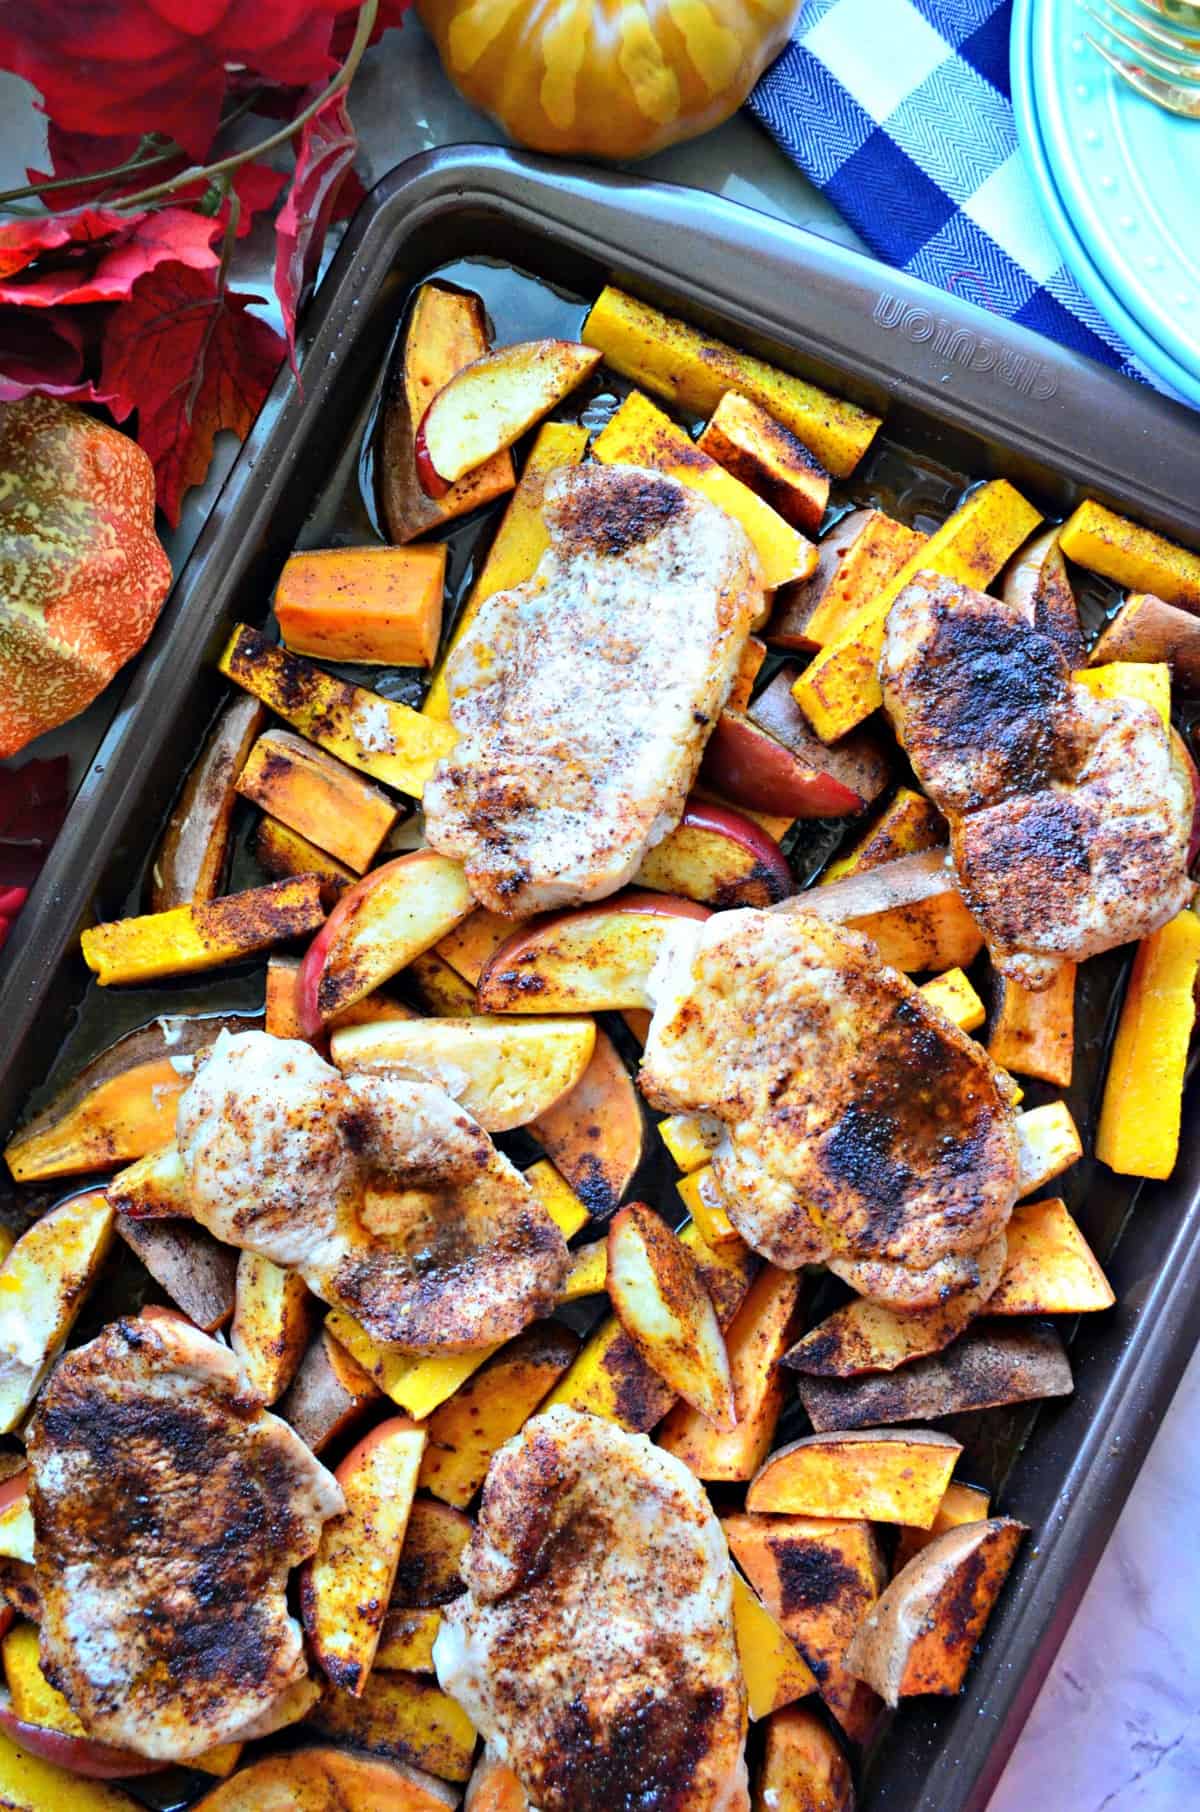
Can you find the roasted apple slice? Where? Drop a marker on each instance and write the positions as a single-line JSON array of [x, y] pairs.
[[393, 914], [493, 1787], [272, 1319], [1146, 629], [321, 1779], [16, 1519], [596, 1134], [661, 1302], [858, 761], [490, 403], [590, 959], [68, 1758], [345, 1587], [753, 768], [1036, 584], [720, 858], [504, 1072], [44, 1282]]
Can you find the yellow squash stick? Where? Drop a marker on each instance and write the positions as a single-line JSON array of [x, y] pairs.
[[520, 542], [841, 686], [1143, 1095], [188, 938], [1132, 556]]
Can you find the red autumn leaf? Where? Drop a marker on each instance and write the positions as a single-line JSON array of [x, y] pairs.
[[391, 13], [325, 156], [96, 255], [112, 67], [43, 351], [192, 362], [83, 154], [33, 804]]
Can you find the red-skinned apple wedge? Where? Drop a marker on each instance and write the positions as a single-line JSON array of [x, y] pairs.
[[78, 1755], [720, 858], [592, 959], [490, 403], [751, 767], [661, 1302]]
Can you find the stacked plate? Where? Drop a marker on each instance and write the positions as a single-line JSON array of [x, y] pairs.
[[1119, 180]]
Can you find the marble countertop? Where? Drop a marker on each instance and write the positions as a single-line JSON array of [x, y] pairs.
[[1116, 1727]]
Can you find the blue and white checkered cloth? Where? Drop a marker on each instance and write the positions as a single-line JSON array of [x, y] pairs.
[[900, 112]]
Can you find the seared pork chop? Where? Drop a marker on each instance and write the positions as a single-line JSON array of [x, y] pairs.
[[389, 1199], [168, 1508], [863, 1129], [594, 1646], [1069, 821], [584, 698]]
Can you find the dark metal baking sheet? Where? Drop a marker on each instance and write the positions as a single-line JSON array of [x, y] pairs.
[[997, 401]]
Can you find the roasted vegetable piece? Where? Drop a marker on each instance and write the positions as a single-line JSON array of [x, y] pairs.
[[1051, 1269], [692, 370], [1149, 681], [190, 864], [345, 1586], [1036, 584], [428, 1574], [473, 941], [120, 1106], [491, 402], [404, 1719], [190, 938], [961, 1504], [803, 1769], [855, 558], [656, 1289], [1034, 1034], [701, 1195], [322, 1779], [446, 329], [519, 544], [560, 1201], [841, 686], [417, 1385], [491, 1406], [954, 996], [818, 1578], [39, 1711], [749, 667], [775, 1672], [883, 1475], [272, 1320], [441, 990], [329, 1394], [1131, 556], [774, 462], [1048, 1143], [908, 824], [641, 435], [406, 1641], [378, 606], [1146, 629], [920, 1636], [757, 1336], [691, 1139], [320, 798], [493, 1787], [196, 1271], [44, 1283], [153, 1188], [281, 851], [388, 741], [596, 1133], [588, 1275], [992, 1363], [1143, 1093]]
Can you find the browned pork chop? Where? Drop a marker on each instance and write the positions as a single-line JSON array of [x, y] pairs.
[[168, 1508], [594, 1646], [584, 698], [1069, 820], [863, 1129]]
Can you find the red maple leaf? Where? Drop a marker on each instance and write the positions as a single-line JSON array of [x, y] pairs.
[[33, 804], [192, 362], [96, 255], [325, 157], [115, 67], [391, 14], [43, 351]]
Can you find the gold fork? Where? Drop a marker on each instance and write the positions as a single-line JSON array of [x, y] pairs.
[[1167, 50]]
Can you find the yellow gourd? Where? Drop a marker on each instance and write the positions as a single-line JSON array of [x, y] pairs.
[[607, 78]]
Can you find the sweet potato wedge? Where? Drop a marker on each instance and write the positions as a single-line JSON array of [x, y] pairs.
[[404, 1719], [1048, 1143], [281, 851], [961, 1504], [758, 1334], [1141, 1116], [695, 371], [640, 434], [1146, 629], [44, 1282], [505, 1072], [655, 1287], [272, 1320], [992, 1363], [491, 402], [329, 1394], [1051, 1269], [446, 329], [741, 436], [406, 1640], [188, 939], [819, 1578], [318, 796], [841, 686], [429, 1571], [490, 1407], [519, 543], [1037, 585], [774, 1670], [596, 1134], [610, 1378], [320, 1779], [592, 958], [375, 606], [718, 857], [920, 1635], [937, 934], [121, 1105], [197, 1272], [1131, 556], [189, 866], [493, 1787], [866, 1336], [388, 741], [857, 556], [748, 761], [883, 1475], [346, 1585], [803, 1769]]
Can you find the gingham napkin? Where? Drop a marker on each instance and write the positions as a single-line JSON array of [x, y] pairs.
[[900, 112]]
